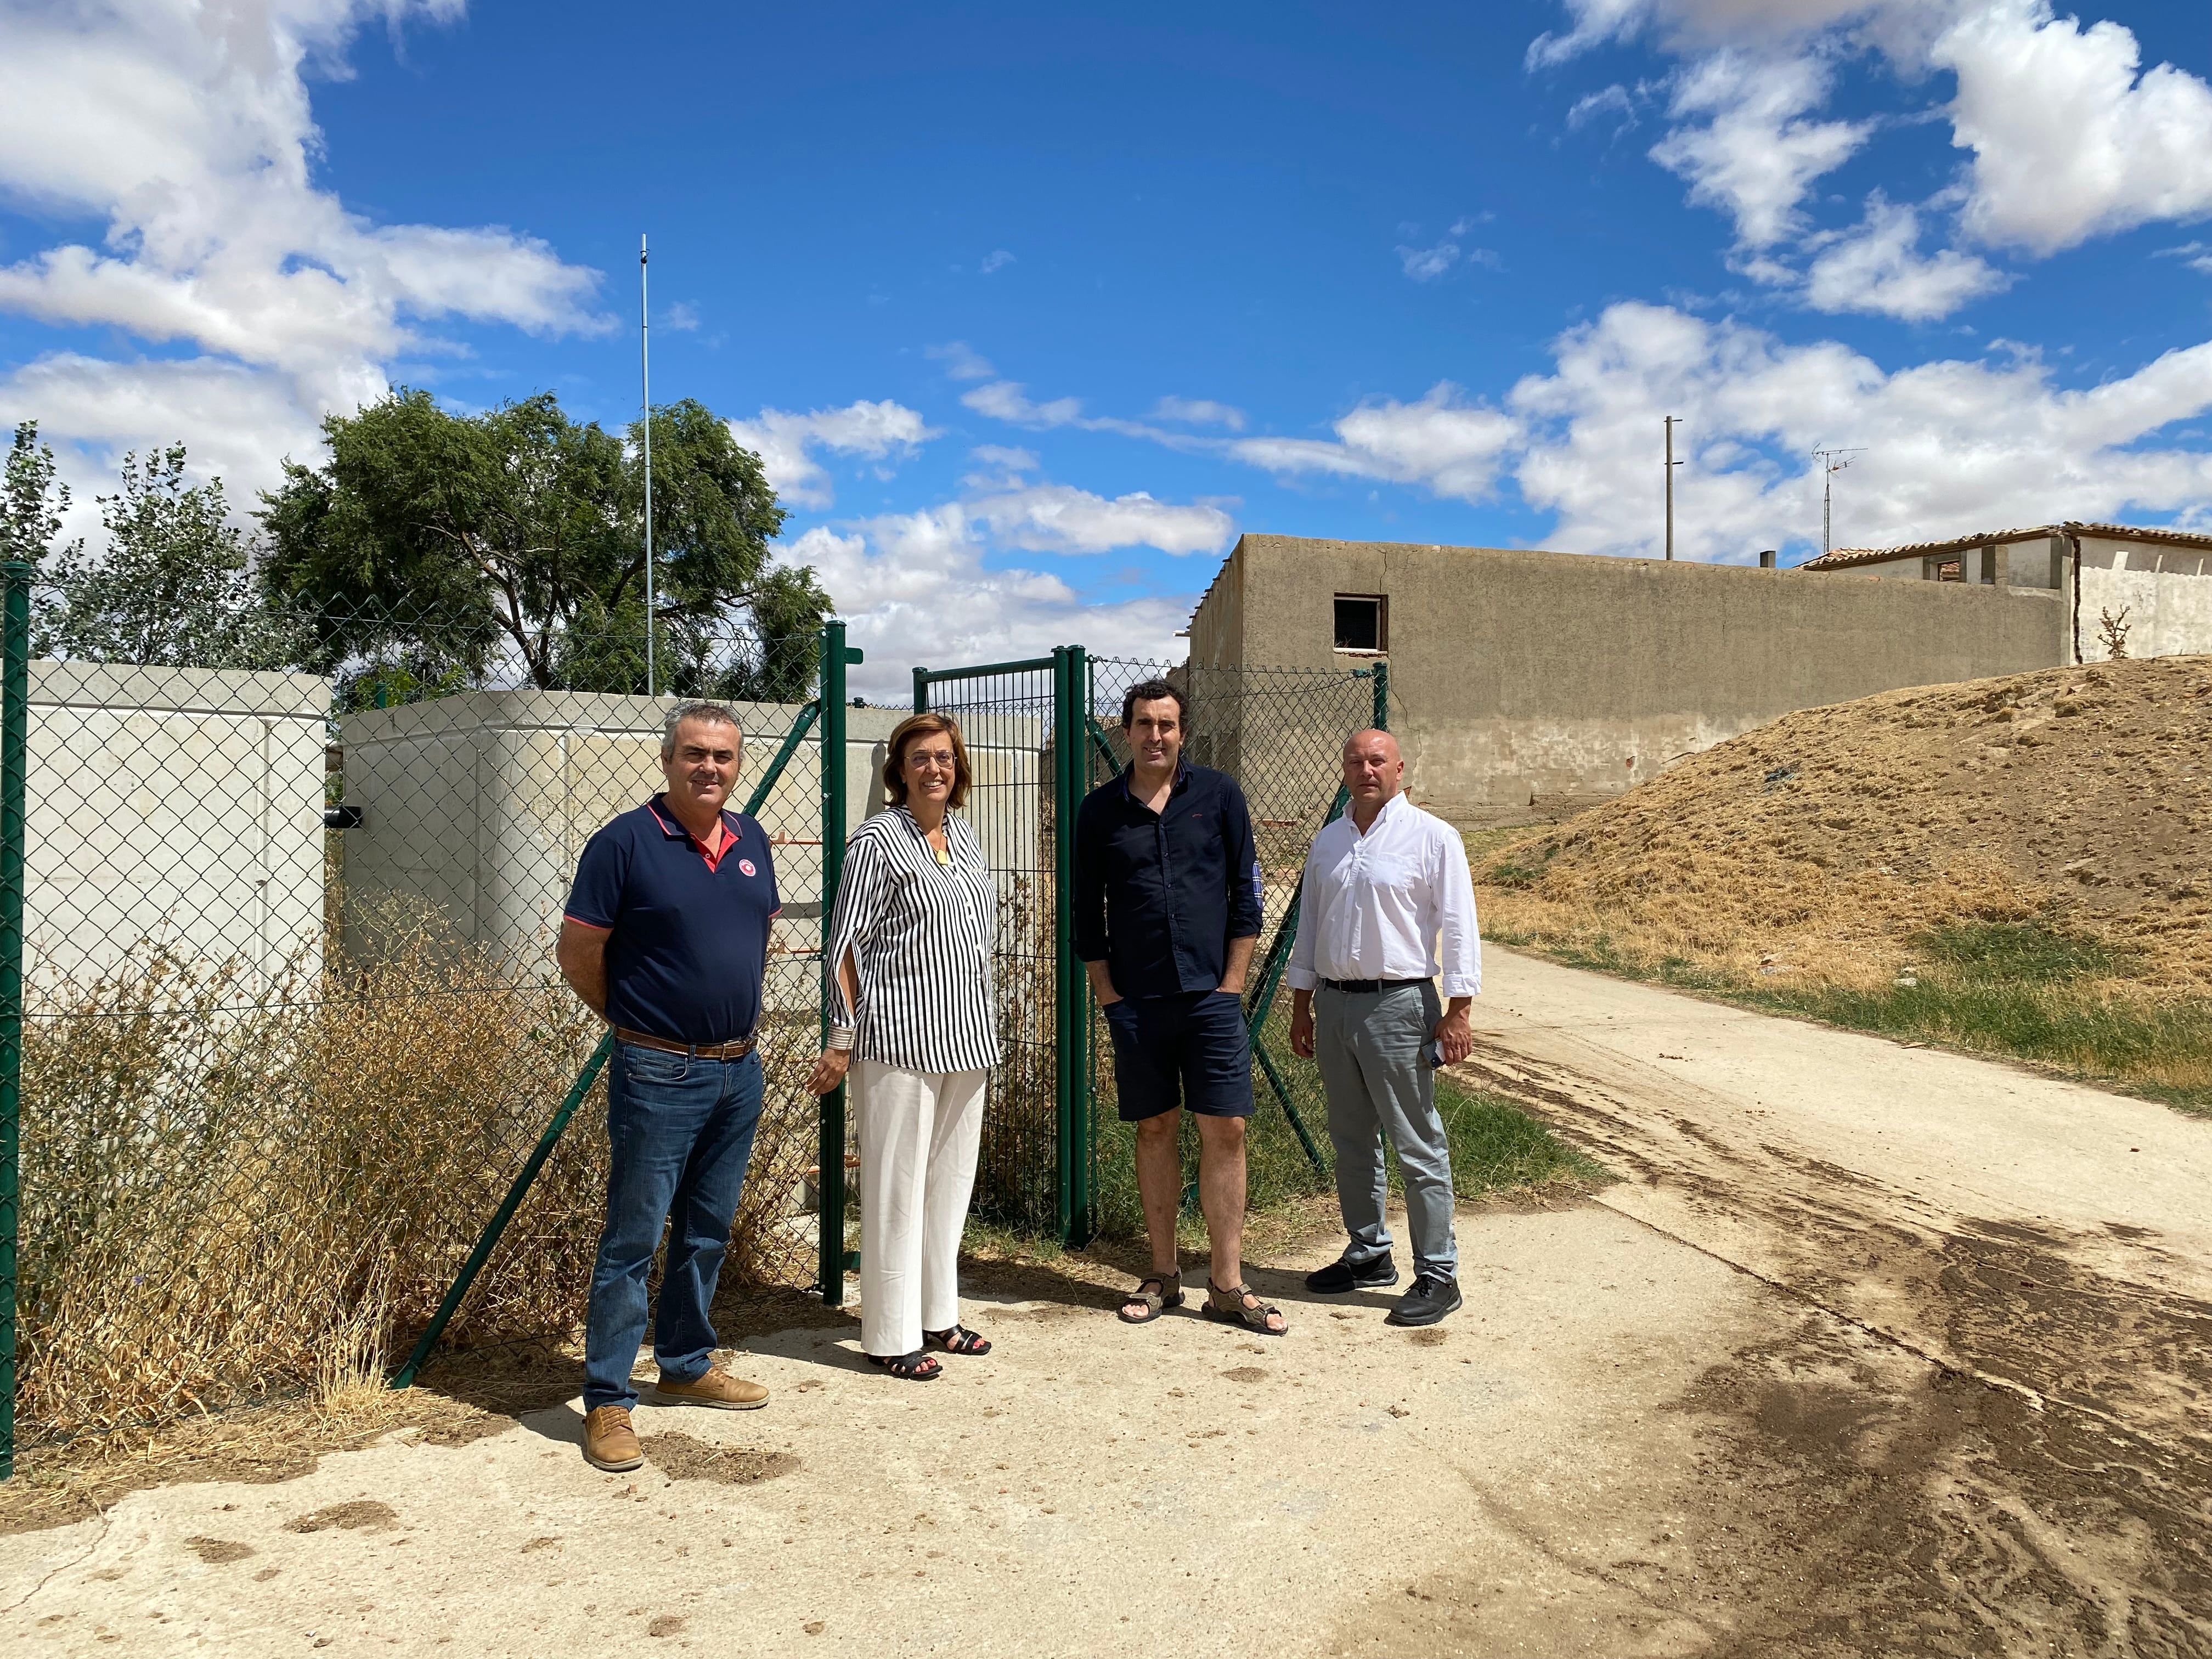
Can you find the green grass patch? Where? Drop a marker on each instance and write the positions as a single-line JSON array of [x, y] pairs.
[[2023, 990], [1495, 1147]]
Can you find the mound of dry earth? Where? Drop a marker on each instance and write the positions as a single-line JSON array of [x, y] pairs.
[[2078, 796]]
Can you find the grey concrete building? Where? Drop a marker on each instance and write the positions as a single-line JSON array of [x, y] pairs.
[[1525, 684]]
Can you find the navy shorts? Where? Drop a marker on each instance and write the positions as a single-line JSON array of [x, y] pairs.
[[1189, 1050]]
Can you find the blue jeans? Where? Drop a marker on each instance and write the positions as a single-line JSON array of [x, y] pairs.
[[679, 1135]]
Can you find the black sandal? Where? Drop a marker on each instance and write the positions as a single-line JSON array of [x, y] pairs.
[[958, 1339], [916, 1367]]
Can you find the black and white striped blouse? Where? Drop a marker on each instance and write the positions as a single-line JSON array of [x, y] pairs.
[[921, 934]]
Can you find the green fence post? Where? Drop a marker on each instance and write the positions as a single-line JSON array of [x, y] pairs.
[[921, 690], [1075, 1033], [15, 752], [830, 1169], [1063, 916], [404, 1376], [1382, 696]]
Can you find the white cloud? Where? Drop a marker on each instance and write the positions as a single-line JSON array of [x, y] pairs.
[[682, 317], [186, 128], [1878, 267], [1442, 443], [1050, 518], [2068, 140], [962, 361], [1426, 265], [996, 259], [1006, 400], [783, 440], [1198, 411], [1000, 455], [1951, 447], [1757, 151], [2196, 255], [913, 587], [1612, 101]]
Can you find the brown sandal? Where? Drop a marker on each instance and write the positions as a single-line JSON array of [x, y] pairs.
[[1231, 1307], [1157, 1292]]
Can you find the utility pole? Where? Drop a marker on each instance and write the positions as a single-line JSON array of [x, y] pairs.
[[1672, 421], [645, 394], [1833, 461]]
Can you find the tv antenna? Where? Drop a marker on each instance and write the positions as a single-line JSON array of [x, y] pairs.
[[1833, 461]]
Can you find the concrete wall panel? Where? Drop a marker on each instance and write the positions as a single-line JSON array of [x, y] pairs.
[[1518, 673]]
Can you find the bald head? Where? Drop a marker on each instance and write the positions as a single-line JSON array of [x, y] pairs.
[[1373, 771]]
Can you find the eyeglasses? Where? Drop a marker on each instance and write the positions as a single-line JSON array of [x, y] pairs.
[[922, 757]]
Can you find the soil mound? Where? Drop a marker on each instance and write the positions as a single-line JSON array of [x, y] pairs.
[[2078, 797]]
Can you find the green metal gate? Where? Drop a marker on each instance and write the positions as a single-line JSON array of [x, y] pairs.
[[1042, 732]]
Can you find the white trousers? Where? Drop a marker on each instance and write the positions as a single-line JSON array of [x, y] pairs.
[[919, 1132]]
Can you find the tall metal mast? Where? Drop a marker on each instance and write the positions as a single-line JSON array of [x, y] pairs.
[[645, 395], [1672, 421]]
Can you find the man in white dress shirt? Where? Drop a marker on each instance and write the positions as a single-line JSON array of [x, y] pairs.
[[1388, 907]]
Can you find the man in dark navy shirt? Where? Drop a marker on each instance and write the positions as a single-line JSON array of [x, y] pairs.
[[665, 936], [1167, 910]]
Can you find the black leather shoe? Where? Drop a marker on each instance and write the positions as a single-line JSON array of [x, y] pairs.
[[1343, 1274], [1433, 1296]]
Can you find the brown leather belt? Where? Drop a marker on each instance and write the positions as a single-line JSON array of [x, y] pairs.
[[701, 1050]]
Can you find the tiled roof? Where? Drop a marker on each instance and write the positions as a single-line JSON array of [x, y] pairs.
[[1844, 558]]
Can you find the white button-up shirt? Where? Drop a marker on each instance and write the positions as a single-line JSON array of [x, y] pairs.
[[1396, 902]]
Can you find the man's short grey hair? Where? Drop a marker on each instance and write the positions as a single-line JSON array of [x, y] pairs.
[[697, 709]]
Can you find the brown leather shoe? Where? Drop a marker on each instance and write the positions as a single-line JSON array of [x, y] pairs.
[[610, 1443], [716, 1388]]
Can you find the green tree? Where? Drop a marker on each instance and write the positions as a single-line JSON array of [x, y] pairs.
[[456, 545], [31, 501], [175, 587]]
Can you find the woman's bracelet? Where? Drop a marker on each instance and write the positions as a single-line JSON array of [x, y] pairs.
[[843, 1036]]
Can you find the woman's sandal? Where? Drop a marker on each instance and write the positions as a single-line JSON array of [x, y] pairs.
[[916, 1367], [1157, 1292], [1239, 1306], [958, 1339]]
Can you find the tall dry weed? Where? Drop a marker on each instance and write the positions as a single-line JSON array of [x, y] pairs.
[[227, 1184]]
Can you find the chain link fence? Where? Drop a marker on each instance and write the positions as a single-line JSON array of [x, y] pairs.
[[290, 1031], [290, 1026]]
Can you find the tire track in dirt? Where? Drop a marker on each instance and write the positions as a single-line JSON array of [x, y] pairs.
[[1981, 1434]]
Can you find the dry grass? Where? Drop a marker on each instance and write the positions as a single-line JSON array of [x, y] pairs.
[[233, 1193], [2013, 865]]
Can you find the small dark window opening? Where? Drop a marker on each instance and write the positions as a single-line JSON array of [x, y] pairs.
[[1362, 623]]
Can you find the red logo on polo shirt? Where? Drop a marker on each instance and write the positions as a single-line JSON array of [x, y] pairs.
[[746, 865]]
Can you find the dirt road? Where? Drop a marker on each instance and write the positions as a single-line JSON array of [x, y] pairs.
[[1876, 1351], [2048, 1241]]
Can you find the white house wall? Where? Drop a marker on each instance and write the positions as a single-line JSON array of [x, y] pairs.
[[2166, 592]]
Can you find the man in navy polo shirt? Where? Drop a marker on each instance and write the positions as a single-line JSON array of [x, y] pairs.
[[665, 937], [1167, 910]]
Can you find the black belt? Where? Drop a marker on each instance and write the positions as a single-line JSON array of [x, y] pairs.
[[1367, 987]]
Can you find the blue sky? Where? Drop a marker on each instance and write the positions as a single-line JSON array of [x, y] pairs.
[[1033, 309]]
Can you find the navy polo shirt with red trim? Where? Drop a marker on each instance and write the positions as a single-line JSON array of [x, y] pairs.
[[687, 944]]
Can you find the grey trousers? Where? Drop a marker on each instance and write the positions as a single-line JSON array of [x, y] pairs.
[[1368, 1045]]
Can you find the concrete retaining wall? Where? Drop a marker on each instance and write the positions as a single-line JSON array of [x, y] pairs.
[[1520, 679]]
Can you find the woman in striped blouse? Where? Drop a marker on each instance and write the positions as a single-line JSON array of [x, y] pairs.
[[910, 996]]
